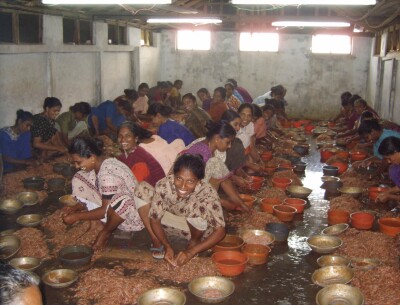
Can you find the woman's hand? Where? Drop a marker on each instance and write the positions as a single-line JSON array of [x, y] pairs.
[[70, 218], [383, 197], [170, 256], [183, 257]]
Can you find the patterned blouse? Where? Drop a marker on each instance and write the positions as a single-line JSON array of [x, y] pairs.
[[233, 102], [43, 127], [203, 202]]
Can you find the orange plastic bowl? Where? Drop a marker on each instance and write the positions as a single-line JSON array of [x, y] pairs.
[[374, 191], [343, 154], [284, 212], [248, 200], [257, 254], [342, 167], [297, 124], [256, 183], [270, 170], [229, 243], [389, 225], [281, 182], [358, 155], [268, 203], [297, 203], [266, 156], [338, 216], [309, 128], [326, 154], [362, 220], [230, 263]]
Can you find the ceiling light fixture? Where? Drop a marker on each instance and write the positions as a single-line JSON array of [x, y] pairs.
[[301, 24], [305, 2], [185, 20], [103, 2]]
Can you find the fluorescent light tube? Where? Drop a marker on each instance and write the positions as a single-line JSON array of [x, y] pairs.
[[104, 2], [305, 2], [324, 24], [184, 20]]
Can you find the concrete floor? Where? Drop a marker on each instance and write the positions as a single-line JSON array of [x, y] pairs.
[[284, 280]]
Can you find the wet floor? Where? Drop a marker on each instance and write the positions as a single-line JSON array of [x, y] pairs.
[[284, 280]]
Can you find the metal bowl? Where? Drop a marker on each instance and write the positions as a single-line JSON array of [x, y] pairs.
[[211, 289], [75, 256], [8, 232], [257, 237], [299, 191], [324, 244], [69, 172], [28, 198], [10, 206], [26, 263], [330, 178], [339, 294], [9, 246], [333, 260], [299, 139], [330, 275], [30, 220], [34, 183], [60, 278], [335, 229], [59, 167], [351, 190], [330, 170], [56, 184], [300, 166], [365, 263], [301, 149], [162, 296], [68, 200]]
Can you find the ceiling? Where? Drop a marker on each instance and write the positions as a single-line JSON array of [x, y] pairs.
[[368, 19]]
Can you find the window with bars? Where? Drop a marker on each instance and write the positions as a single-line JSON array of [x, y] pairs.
[[117, 34], [18, 28], [76, 31]]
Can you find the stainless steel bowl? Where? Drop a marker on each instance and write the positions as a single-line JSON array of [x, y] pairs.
[[330, 275], [28, 198], [257, 237], [9, 246], [162, 296], [335, 229], [75, 256], [30, 220], [68, 200], [333, 260], [10, 206], [351, 190], [8, 232], [329, 178], [298, 191], [365, 263], [324, 244], [339, 294], [211, 289], [60, 278], [26, 263]]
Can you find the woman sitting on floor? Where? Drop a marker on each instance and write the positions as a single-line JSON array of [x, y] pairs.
[[105, 188], [390, 149], [168, 129], [46, 138], [143, 165], [184, 204], [15, 143], [197, 117], [218, 139]]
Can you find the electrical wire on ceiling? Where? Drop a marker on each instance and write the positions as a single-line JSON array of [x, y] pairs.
[[273, 8], [134, 12], [385, 22]]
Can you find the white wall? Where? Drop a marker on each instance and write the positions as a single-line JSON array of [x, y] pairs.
[[73, 73], [314, 82]]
